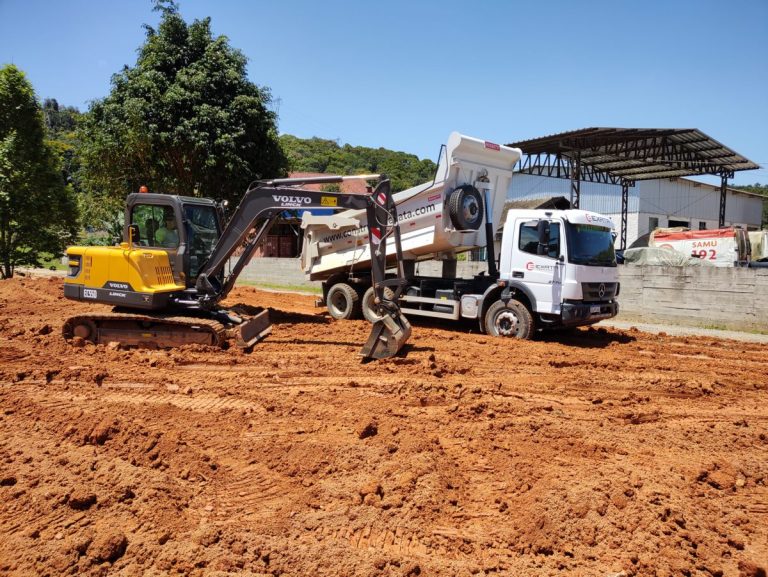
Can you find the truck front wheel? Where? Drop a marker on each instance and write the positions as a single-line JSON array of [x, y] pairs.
[[343, 302], [512, 319]]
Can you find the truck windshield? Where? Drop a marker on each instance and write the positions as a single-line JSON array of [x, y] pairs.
[[590, 245]]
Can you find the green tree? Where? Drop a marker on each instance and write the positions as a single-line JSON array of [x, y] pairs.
[[327, 156], [184, 120], [38, 216], [61, 123], [59, 119]]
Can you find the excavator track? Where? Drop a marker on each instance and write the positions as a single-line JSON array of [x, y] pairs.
[[159, 331]]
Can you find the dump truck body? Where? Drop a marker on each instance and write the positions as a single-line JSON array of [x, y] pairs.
[[438, 218]]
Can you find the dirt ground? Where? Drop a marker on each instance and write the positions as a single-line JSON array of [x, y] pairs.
[[600, 453]]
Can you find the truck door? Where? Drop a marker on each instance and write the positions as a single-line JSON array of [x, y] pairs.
[[539, 266]]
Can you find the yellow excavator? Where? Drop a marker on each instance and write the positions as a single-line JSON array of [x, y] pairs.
[[168, 277]]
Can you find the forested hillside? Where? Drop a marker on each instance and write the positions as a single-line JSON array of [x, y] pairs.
[[327, 156]]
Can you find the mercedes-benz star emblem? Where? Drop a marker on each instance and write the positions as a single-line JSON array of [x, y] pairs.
[[601, 290]]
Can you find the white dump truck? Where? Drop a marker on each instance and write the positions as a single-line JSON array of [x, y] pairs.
[[557, 268]]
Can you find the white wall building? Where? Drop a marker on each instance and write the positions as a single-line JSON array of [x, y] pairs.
[[652, 203]]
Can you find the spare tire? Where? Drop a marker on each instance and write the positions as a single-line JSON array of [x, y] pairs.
[[465, 207]]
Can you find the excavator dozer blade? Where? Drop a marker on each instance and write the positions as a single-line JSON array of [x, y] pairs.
[[253, 330], [387, 337]]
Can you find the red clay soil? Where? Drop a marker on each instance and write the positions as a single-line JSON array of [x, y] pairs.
[[599, 453]]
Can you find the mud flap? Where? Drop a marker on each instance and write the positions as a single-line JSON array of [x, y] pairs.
[[253, 330], [387, 337]]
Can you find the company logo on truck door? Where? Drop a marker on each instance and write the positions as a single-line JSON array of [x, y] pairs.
[[530, 265], [291, 200]]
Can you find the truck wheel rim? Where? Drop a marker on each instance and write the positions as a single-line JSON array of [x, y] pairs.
[[339, 302], [470, 208], [507, 323]]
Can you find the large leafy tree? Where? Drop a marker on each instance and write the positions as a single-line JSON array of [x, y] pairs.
[[38, 216], [185, 120]]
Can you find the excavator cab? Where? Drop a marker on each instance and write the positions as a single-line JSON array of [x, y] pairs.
[[186, 228]]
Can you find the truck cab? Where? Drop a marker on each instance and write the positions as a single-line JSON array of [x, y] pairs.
[[563, 263]]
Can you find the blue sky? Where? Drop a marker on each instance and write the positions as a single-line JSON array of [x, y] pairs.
[[404, 74]]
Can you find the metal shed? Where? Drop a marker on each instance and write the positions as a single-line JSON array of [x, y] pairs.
[[621, 156]]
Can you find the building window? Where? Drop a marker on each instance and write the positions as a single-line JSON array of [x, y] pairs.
[[653, 223], [679, 223], [702, 225]]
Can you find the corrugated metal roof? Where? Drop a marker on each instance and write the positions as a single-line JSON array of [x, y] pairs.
[[631, 154], [553, 202]]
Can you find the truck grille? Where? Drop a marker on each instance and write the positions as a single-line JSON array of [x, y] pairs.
[[598, 291]]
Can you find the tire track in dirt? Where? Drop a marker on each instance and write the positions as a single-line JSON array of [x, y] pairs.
[[397, 539], [246, 493], [198, 402], [237, 493]]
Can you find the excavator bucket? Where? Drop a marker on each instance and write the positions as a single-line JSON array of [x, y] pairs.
[[253, 330], [387, 337]]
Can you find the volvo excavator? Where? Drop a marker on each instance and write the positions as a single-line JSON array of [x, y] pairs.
[[168, 277]]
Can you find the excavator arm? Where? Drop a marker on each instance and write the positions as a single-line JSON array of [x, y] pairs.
[[260, 208]]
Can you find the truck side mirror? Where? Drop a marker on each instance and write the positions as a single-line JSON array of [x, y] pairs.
[[133, 234], [543, 231]]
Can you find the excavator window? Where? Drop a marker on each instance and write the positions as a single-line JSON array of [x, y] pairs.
[[154, 224], [202, 228]]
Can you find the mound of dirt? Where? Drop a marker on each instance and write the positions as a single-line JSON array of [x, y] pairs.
[[599, 452]]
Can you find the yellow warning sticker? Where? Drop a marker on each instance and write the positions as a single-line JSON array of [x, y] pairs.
[[329, 201]]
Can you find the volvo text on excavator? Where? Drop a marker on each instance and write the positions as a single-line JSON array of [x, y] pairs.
[[168, 277]]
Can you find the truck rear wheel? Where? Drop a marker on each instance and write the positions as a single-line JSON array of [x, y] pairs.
[[512, 319], [343, 302], [369, 309], [465, 207]]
